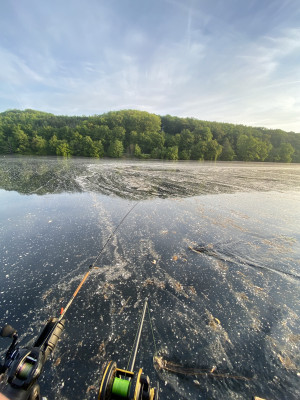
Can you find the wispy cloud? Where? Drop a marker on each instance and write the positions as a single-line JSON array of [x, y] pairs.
[[211, 60], [15, 70]]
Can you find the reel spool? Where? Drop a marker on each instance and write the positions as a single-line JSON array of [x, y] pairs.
[[120, 384]]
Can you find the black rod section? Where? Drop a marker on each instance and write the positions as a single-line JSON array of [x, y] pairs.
[[138, 337]]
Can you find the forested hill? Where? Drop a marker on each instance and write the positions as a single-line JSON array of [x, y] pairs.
[[143, 135]]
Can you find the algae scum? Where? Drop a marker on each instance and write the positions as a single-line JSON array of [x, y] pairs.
[[214, 246]]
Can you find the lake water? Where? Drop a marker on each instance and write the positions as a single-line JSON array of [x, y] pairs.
[[214, 246]]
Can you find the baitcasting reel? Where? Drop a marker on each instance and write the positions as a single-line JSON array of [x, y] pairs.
[[120, 384], [23, 366]]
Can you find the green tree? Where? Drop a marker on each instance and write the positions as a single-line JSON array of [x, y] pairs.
[[278, 137], [76, 144], [172, 140], [247, 148], [150, 140], [137, 151], [172, 125], [185, 155], [118, 133], [228, 153], [171, 153], [53, 144], [89, 148], [63, 149], [39, 145], [264, 149], [24, 132], [144, 141], [213, 150], [102, 133], [2, 142], [99, 148], [198, 151], [294, 141], [133, 137], [158, 153], [20, 140], [285, 153], [250, 148], [157, 139], [186, 139], [203, 134], [115, 149]]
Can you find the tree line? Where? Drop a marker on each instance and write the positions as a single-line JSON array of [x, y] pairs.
[[141, 134]]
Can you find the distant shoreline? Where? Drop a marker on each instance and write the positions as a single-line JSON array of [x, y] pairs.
[[142, 135]]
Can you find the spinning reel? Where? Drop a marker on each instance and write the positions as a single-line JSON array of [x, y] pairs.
[[119, 384]]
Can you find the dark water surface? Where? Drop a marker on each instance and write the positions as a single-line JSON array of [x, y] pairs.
[[214, 246]]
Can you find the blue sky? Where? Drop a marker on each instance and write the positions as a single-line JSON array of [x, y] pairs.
[[219, 60]]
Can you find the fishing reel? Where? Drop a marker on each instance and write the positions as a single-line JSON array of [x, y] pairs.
[[120, 384], [23, 366], [117, 384]]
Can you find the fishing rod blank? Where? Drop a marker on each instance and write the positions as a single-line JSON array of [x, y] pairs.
[[131, 367]]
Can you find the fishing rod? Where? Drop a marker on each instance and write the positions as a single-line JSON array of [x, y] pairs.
[[23, 366]]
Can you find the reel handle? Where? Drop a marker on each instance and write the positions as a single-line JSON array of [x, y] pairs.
[[8, 331]]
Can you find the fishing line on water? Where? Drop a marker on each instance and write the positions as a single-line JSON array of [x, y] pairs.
[[93, 266], [151, 325], [113, 233]]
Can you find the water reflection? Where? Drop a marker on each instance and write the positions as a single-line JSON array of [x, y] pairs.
[[142, 180]]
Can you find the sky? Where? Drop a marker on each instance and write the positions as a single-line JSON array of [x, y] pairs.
[[234, 61]]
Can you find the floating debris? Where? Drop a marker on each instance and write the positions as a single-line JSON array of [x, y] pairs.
[[92, 388], [155, 282], [162, 364], [286, 362], [124, 305], [57, 362]]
